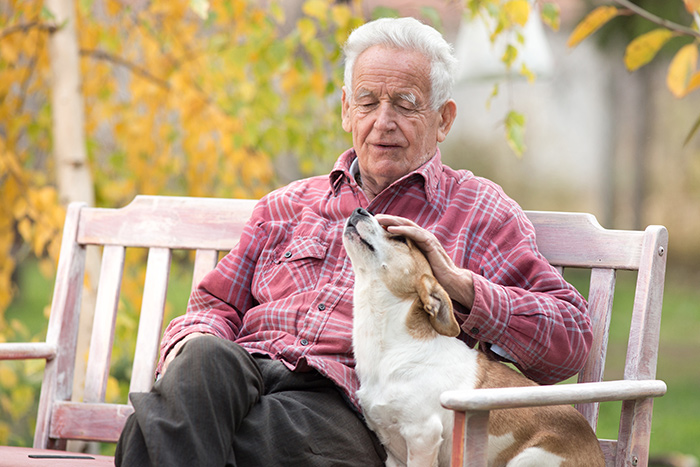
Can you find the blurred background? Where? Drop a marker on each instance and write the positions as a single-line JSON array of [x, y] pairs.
[[235, 98]]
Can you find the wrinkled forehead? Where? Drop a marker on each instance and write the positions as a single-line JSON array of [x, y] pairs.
[[387, 70]]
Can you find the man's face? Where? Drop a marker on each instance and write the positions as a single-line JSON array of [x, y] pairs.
[[394, 130]]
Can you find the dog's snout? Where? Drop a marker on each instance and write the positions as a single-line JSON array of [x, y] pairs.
[[362, 212]]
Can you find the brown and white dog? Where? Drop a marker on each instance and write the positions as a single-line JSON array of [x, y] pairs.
[[406, 355]]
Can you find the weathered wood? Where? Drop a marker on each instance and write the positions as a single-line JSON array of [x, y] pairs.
[[27, 351], [157, 221], [89, 421], [577, 240], [642, 348], [62, 332], [160, 223], [634, 432], [476, 444], [459, 432], [609, 448], [537, 396], [11, 456], [105, 318], [600, 302], [151, 320]]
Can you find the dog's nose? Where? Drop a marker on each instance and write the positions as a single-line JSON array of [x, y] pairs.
[[362, 212]]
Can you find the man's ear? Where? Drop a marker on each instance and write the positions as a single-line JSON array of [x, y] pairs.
[[345, 112], [438, 305], [448, 113]]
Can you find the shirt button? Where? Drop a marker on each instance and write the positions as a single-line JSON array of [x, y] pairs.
[[475, 330], [321, 306], [288, 254], [304, 342]]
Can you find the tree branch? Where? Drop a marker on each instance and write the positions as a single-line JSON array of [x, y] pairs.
[[657, 20], [50, 28], [102, 55]]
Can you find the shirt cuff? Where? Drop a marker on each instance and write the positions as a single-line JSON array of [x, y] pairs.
[[488, 318]]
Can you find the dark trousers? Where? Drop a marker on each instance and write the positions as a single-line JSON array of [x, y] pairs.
[[219, 406]]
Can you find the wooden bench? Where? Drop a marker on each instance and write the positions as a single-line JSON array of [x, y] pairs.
[[210, 226]]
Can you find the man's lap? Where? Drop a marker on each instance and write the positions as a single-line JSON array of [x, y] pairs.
[[297, 419]]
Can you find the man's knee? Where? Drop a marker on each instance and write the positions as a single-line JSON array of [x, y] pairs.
[[207, 350], [215, 358]]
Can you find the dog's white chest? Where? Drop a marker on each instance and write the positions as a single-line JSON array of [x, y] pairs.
[[400, 387]]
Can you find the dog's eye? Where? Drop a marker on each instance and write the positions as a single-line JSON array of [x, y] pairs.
[[399, 238]]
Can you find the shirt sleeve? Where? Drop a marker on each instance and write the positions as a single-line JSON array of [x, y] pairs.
[[216, 306], [526, 308]]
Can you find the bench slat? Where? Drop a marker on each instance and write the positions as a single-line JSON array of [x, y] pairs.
[[151, 321], [577, 240], [154, 221], [600, 302], [103, 327], [89, 421], [27, 350]]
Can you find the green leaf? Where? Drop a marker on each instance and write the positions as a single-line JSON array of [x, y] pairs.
[[515, 132], [527, 73], [550, 14], [509, 55], [46, 14]]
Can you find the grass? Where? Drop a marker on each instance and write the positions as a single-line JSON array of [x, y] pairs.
[[676, 427]]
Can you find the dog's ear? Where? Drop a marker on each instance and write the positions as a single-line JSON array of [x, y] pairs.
[[438, 305]]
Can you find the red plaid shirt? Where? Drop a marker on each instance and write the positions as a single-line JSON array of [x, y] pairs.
[[286, 289]]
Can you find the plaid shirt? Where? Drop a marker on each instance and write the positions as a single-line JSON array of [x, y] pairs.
[[286, 289]]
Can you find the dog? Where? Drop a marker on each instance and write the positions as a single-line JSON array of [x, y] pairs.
[[407, 354]]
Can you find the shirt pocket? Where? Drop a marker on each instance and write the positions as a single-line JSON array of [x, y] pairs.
[[292, 268]]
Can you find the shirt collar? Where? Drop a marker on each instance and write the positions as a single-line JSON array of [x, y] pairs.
[[346, 169]]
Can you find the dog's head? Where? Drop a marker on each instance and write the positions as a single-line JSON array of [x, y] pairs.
[[392, 264]]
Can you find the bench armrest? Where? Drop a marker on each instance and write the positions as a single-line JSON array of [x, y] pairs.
[[536, 396], [27, 350]]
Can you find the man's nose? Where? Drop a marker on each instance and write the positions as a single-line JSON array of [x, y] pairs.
[[386, 117]]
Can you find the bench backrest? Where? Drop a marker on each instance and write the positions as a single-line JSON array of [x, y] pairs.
[[160, 224], [209, 226], [572, 240]]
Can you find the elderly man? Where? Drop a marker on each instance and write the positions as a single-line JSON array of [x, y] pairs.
[[259, 371]]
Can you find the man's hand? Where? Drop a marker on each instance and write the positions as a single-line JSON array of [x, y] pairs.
[[176, 348], [457, 281]]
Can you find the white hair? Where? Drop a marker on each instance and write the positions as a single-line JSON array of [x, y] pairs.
[[406, 34]]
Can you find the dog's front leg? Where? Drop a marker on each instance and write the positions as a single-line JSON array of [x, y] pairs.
[[424, 442]]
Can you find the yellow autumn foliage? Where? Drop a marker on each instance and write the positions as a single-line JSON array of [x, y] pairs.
[[682, 77], [681, 70], [591, 23], [644, 48]]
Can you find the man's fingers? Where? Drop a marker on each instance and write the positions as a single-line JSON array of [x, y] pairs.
[[388, 220]]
